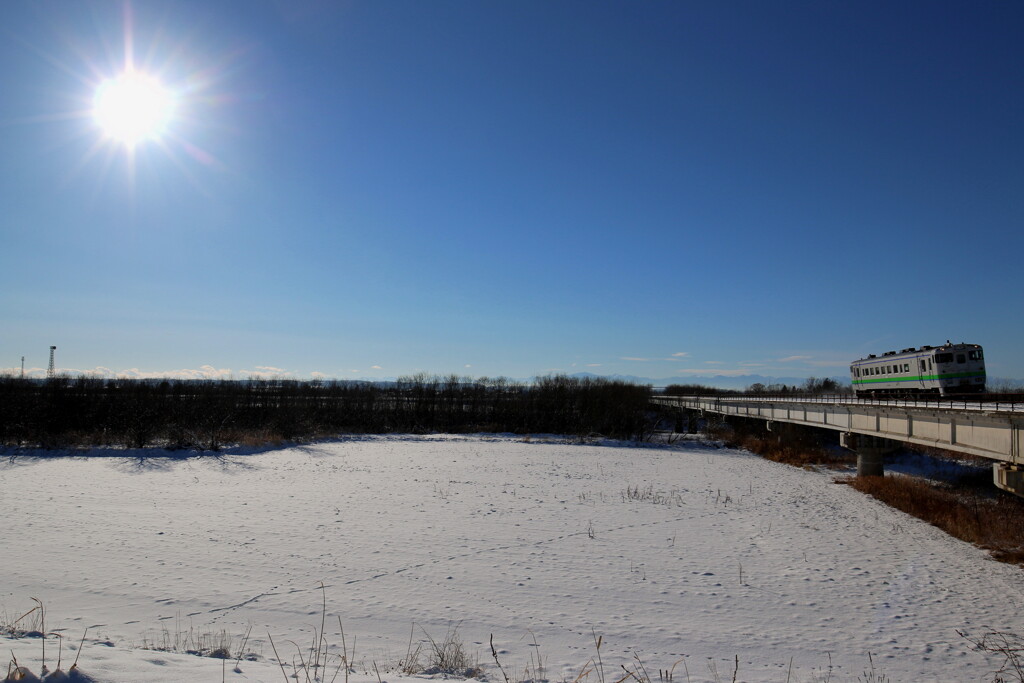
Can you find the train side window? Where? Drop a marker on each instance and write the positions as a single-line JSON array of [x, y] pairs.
[[930, 366], [906, 367], [961, 358], [924, 366]]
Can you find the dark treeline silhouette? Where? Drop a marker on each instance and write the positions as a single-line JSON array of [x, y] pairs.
[[813, 386], [65, 412]]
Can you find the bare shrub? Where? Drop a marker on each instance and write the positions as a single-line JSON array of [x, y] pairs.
[[797, 446], [1009, 647], [798, 455], [449, 656]]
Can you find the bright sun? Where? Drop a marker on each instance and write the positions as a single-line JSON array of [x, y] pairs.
[[133, 107]]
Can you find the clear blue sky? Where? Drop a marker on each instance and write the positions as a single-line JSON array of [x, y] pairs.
[[370, 189]]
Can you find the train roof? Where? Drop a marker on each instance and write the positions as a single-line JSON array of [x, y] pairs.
[[924, 349]]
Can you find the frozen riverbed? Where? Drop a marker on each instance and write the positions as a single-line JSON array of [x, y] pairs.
[[686, 554]]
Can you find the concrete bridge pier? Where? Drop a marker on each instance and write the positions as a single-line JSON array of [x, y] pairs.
[[783, 430], [1008, 477], [686, 421], [870, 450]]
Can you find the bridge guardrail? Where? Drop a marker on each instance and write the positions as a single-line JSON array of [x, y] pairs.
[[1013, 403]]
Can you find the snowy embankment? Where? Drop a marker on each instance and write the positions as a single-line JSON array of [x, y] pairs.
[[686, 554]]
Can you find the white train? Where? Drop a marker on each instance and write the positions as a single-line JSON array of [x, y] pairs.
[[942, 370]]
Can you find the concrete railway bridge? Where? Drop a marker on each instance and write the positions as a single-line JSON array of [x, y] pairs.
[[873, 427]]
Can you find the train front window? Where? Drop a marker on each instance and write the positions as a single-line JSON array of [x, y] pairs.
[[974, 355], [943, 358], [961, 358]]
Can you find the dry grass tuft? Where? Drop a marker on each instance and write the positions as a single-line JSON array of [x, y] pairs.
[[671, 498], [203, 643]]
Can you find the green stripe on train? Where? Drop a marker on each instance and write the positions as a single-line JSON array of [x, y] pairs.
[[921, 378]]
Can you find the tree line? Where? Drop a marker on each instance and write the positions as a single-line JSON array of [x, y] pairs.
[[71, 412], [812, 386]]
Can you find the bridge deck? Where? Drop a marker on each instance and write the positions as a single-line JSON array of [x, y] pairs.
[[988, 430]]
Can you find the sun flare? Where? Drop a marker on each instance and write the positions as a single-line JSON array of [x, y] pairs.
[[133, 107]]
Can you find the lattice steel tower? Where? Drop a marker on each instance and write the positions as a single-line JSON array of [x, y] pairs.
[[50, 372]]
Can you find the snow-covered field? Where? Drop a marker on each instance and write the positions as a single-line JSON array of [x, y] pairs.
[[717, 555]]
